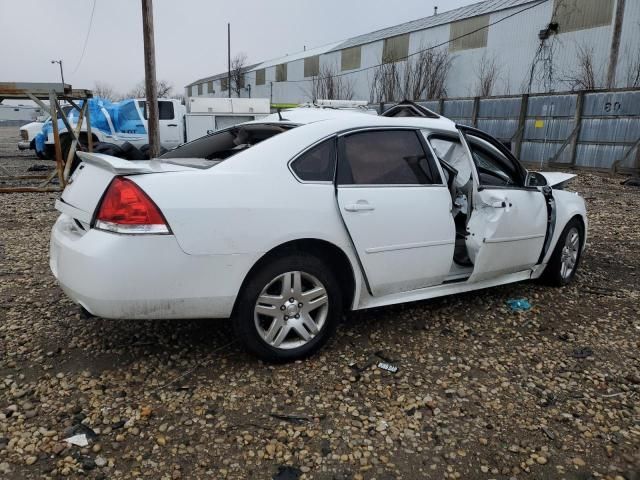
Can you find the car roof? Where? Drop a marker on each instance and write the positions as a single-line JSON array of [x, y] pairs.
[[343, 119]]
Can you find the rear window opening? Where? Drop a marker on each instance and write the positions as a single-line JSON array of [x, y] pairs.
[[221, 145]]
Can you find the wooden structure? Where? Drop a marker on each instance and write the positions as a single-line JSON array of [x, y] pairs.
[[54, 93]]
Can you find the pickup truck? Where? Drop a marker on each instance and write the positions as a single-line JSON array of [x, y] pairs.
[[29, 131], [117, 123]]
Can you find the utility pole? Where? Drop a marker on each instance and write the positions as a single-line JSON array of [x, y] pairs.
[[615, 45], [229, 58], [59, 62], [150, 79]]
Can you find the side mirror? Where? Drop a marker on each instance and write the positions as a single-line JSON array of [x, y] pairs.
[[535, 179]]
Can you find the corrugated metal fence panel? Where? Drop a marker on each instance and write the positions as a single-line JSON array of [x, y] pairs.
[[499, 108], [501, 128], [552, 105], [549, 129], [611, 104], [499, 117], [458, 109], [433, 105], [615, 130], [603, 156], [610, 125]]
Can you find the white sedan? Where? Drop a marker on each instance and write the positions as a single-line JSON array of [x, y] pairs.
[[283, 223]]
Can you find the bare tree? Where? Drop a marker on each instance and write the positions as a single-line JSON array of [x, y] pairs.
[[328, 85], [238, 64], [585, 76], [423, 76], [633, 69], [104, 90], [487, 75], [139, 90]]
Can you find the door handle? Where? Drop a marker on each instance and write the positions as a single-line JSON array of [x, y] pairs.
[[498, 204], [172, 125], [359, 207]]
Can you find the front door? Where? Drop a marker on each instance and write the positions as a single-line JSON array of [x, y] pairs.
[[169, 125], [508, 223], [396, 208]]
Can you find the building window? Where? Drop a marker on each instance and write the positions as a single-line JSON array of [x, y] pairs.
[[350, 58], [224, 84], [396, 48], [461, 36], [260, 77], [572, 15], [210, 87], [200, 89], [312, 66], [281, 72]]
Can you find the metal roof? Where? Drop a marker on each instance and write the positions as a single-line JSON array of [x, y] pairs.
[[474, 10], [220, 75], [298, 55]]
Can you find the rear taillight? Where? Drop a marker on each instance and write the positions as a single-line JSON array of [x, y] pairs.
[[125, 208]]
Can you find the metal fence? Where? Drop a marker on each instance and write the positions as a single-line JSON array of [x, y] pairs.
[[593, 129]]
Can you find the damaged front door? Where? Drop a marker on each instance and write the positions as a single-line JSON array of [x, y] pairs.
[[507, 227]]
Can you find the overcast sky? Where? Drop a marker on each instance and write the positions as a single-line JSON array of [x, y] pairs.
[[191, 35]]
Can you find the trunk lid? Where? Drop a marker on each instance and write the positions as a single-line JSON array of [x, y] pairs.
[[88, 183]]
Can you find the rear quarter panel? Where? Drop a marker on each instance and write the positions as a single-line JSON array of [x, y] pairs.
[[248, 205]]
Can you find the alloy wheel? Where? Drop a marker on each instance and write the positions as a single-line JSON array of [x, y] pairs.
[[570, 251], [291, 310]]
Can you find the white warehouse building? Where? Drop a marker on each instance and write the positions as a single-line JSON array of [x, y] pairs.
[[509, 46]]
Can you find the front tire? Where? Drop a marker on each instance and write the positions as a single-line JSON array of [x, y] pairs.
[[565, 259], [288, 309]]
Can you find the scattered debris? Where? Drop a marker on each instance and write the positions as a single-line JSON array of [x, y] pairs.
[[297, 419], [582, 352], [386, 364], [548, 432], [40, 168], [519, 304], [78, 440], [389, 367]]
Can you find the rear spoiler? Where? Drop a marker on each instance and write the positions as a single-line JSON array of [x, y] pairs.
[[120, 166]]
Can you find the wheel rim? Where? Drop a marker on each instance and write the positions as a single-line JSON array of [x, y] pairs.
[[291, 310], [569, 255]]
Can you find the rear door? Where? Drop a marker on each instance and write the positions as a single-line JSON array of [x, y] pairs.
[[396, 208], [508, 223]]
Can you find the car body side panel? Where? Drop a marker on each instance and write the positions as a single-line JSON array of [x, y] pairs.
[[229, 213], [568, 205]]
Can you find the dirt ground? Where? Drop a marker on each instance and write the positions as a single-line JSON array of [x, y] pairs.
[[481, 392]]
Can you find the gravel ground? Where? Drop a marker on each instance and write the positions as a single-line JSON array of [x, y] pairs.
[[480, 392]]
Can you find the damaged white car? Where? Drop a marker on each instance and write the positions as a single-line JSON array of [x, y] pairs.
[[283, 223]]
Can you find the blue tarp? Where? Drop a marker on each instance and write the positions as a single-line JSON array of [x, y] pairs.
[[124, 117]]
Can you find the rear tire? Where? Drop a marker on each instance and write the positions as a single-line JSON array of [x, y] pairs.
[[566, 256], [288, 308]]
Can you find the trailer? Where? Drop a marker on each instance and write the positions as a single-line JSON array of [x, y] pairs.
[[208, 114]]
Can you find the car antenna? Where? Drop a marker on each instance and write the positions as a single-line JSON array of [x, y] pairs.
[[279, 110]]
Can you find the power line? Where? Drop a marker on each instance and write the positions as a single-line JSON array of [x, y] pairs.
[[451, 40], [86, 39]]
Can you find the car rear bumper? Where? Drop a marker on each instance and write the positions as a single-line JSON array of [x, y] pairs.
[[142, 276]]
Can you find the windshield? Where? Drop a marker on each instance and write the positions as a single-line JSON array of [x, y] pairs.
[[225, 143]]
